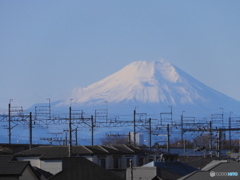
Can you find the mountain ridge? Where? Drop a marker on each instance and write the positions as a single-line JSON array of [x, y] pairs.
[[152, 84]]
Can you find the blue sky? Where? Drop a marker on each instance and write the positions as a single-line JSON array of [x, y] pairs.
[[49, 47]]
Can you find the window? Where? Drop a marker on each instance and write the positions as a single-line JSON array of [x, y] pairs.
[[141, 161], [102, 162], [116, 163]]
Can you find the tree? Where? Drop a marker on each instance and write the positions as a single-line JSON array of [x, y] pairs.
[[202, 140], [114, 139], [178, 143]]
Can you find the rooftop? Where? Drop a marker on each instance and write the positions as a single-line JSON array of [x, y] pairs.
[[174, 167], [56, 152], [8, 166]]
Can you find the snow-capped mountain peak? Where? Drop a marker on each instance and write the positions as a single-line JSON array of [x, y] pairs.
[[140, 81], [149, 86]]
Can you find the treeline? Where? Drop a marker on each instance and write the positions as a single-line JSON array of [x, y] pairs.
[[201, 142]]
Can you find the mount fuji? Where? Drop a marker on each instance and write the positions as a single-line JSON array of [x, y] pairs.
[[148, 87], [151, 87]]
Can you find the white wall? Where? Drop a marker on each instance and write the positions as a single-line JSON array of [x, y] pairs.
[[28, 175], [34, 161], [52, 166], [139, 138], [89, 158]]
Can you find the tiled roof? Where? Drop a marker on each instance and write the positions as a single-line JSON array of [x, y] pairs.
[[81, 168], [125, 149], [164, 174], [235, 156], [196, 161], [217, 166], [189, 175], [97, 149], [213, 164], [119, 172], [174, 167], [112, 150], [41, 172], [81, 150], [56, 152], [9, 167]]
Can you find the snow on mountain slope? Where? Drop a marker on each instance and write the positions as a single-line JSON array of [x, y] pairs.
[[149, 83], [143, 81]]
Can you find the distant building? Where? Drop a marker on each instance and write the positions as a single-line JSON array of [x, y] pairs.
[[49, 158], [139, 138]]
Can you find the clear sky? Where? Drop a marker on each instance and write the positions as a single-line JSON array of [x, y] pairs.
[[49, 47]]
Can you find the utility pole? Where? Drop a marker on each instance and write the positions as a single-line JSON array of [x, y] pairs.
[[76, 143], [219, 139], [229, 126], [210, 134], [182, 127], [66, 138], [70, 132], [30, 131], [92, 129], [134, 127], [150, 133], [219, 143], [222, 116], [168, 139], [171, 115], [9, 122], [129, 139], [184, 147], [49, 104]]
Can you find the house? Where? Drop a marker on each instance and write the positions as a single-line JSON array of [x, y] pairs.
[[217, 169], [44, 175], [10, 149], [49, 158], [11, 169], [76, 168], [197, 161], [166, 168]]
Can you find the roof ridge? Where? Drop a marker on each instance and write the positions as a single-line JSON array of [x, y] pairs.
[[128, 148], [86, 148], [111, 147], [213, 164], [103, 148], [25, 166]]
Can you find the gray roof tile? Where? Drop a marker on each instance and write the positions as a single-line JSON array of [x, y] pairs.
[[9, 167], [56, 152], [213, 164], [174, 167], [81, 168]]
